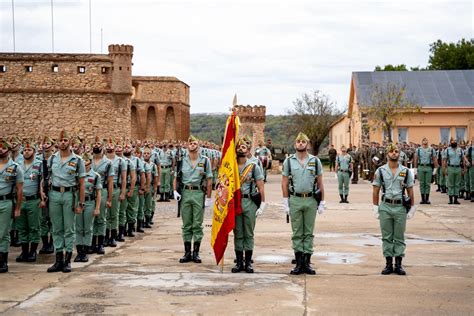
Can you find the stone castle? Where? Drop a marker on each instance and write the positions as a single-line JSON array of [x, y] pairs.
[[91, 94], [252, 121]]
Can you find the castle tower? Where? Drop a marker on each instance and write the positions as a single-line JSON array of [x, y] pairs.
[[252, 120], [121, 56]]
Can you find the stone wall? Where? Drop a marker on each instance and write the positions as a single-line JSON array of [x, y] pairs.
[[252, 119]]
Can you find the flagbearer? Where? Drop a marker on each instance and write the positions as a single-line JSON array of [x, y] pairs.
[[302, 178], [251, 179], [196, 182]]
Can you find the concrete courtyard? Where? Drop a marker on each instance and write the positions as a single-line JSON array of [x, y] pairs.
[[143, 276]]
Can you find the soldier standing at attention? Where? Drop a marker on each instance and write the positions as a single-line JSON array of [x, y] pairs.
[[197, 184], [67, 175], [452, 164], [166, 162], [11, 181], [152, 183], [425, 164], [104, 167], [332, 158], [301, 176], [470, 168], [251, 179], [356, 158], [344, 170], [394, 180], [265, 156], [84, 220], [28, 224], [45, 221], [130, 187], [132, 195]]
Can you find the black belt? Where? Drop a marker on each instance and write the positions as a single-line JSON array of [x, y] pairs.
[[454, 166], [62, 189], [6, 197], [31, 197], [165, 167], [192, 188], [424, 165], [89, 198], [304, 195], [246, 196], [389, 201], [344, 171]]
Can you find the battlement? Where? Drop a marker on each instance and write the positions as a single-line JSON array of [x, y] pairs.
[[120, 49], [256, 113]]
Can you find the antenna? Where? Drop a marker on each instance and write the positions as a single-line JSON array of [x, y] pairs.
[[52, 27], [90, 27], [13, 21]]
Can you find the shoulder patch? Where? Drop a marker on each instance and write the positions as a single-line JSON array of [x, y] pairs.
[[402, 174], [312, 164], [71, 164]]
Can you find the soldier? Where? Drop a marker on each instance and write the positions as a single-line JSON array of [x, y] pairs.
[[141, 184], [197, 184], [470, 168], [356, 158], [452, 167], [251, 187], [403, 158], [11, 183], [67, 175], [394, 179], [344, 169], [28, 224], [265, 156], [104, 167], [166, 162], [440, 174], [151, 187], [17, 157], [92, 209], [132, 195], [45, 221], [332, 158], [129, 187], [302, 179], [425, 165]]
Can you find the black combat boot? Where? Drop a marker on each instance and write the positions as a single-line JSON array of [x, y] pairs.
[[93, 247], [3, 262], [307, 265], [298, 269], [456, 200], [468, 196], [14, 241], [342, 198], [84, 257], [438, 189], [472, 196], [427, 199], [32, 254], [167, 199], [100, 245], [187, 253], [461, 194], [44, 247], [67, 262], [151, 218], [139, 226], [147, 222], [107, 238], [398, 266], [131, 228], [113, 236], [443, 189], [423, 199], [345, 199], [450, 200], [79, 249], [59, 264], [248, 261], [120, 234], [23, 257], [196, 246], [239, 266], [388, 266], [50, 248]]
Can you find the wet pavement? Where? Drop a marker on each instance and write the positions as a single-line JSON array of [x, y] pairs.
[[143, 276]]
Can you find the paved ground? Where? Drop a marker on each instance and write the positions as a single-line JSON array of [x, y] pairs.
[[143, 275]]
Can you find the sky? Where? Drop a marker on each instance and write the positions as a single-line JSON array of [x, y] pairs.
[[268, 52]]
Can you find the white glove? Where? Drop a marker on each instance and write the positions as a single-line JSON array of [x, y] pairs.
[[321, 207], [207, 202], [335, 175], [435, 170], [286, 206], [375, 211], [261, 209], [411, 212], [415, 171], [177, 196]]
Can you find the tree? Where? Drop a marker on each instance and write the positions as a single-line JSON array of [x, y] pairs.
[[401, 67], [449, 56], [313, 114], [387, 104]]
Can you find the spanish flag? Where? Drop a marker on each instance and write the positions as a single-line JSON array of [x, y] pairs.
[[228, 195]]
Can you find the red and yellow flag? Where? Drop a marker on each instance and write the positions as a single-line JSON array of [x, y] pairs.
[[228, 195]]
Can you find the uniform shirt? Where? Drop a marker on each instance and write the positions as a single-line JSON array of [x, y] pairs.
[[65, 174], [150, 167], [32, 177], [402, 158], [91, 181], [139, 168], [424, 155], [303, 176], [248, 177], [166, 158], [453, 156], [194, 175], [19, 159], [105, 169], [256, 161], [471, 156], [344, 161], [120, 165], [10, 175], [129, 167], [393, 184], [262, 151]]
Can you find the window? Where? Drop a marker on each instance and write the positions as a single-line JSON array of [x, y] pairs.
[[402, 134], [29, 68], [3, 68], [105, 70], [445, 134], [120, 67], [460, 134], [81, 69], [55, 68]]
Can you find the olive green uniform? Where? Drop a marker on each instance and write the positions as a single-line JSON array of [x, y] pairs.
[[425, 165], [453, 162], [343, 173], [84, 221], [105, 169]]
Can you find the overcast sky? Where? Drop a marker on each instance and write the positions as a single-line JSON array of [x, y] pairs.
[[267, 51]]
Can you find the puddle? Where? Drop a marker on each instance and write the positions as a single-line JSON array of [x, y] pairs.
[[273, 259], [340, 257]]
